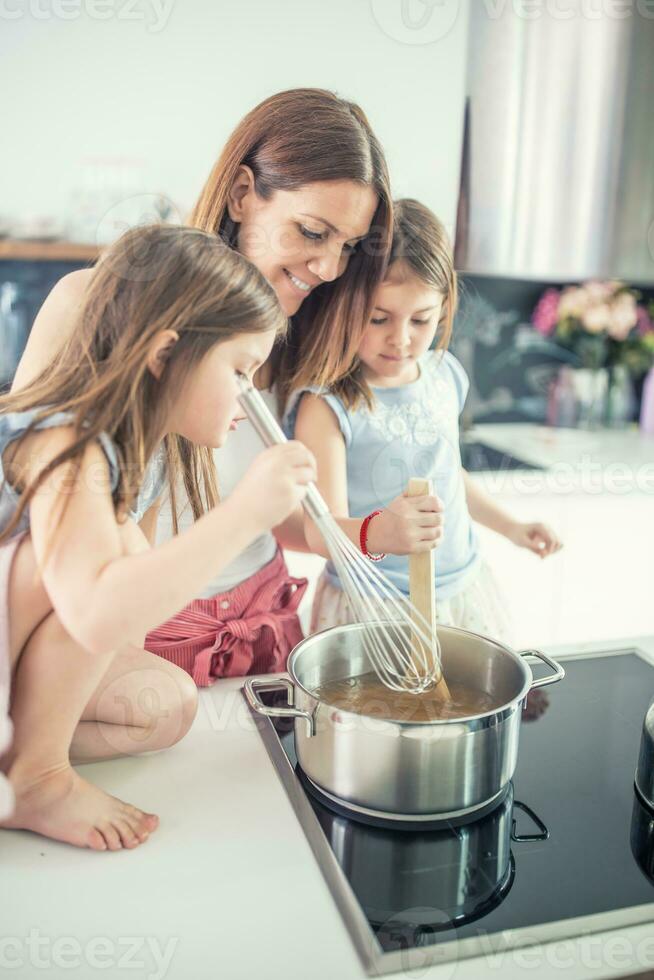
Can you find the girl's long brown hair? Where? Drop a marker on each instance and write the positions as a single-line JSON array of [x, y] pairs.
[[152, 279], [291, 139], [422, 245]]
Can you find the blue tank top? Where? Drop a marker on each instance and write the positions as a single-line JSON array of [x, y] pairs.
[[13, 424], [412, 430]]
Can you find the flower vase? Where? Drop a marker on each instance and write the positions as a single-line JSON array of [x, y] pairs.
[[591, 391], [622, 398]]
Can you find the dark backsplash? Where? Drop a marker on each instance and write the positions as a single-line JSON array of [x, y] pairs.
[[509, 364]]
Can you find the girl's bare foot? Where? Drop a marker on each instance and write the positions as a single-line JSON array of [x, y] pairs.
[[61, 805]]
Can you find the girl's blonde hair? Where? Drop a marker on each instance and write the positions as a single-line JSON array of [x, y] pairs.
[[295, 138], [152, 279], [422, 245]]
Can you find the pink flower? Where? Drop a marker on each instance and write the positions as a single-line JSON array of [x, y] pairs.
[[643, 320], [546, 315]]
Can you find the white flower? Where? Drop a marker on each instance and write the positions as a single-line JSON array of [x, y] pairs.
[[597, 318], [624, 316], [397, 426], [573, 302]]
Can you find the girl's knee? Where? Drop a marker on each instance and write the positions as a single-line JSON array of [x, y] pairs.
[[179, 697], [188, 700]]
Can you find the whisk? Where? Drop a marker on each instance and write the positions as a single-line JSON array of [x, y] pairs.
[[400, 644]]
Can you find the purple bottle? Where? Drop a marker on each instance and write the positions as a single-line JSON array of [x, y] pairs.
[[647, 405]]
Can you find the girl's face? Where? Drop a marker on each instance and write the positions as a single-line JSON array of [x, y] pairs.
[[401, 328], [302, 238], [208, 406]]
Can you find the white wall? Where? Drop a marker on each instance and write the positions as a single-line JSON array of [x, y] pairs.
[[165, 81]]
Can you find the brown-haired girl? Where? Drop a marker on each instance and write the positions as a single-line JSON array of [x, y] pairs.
[[395, 415], [147, 376], [301, 189]]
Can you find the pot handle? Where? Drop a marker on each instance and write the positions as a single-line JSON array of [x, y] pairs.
[[543, 832], [559, 672], [253, 685]]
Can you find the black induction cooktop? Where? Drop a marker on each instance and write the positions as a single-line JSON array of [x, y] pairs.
[[476, 456], [569, 850]]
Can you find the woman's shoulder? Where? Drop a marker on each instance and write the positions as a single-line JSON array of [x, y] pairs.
[[52, 324]]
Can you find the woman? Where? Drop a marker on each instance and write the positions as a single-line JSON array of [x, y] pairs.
[[301, 189]]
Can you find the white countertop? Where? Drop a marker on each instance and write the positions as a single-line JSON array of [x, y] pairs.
[[228, 885], [617, 460]]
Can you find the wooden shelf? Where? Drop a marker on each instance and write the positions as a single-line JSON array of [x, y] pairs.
[[27, 250]]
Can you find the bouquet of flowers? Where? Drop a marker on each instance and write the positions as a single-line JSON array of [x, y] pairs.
[[602, 323]]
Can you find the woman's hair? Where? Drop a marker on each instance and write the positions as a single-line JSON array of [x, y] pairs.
[[295, 138], [152, 279], [422, 245]]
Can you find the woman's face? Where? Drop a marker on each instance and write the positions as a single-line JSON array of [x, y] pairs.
[[299, 239]]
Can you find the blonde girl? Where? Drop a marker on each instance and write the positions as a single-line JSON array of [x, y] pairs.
[[148, 373], [395, 415]]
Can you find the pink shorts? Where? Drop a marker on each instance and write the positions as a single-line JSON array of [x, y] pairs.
[[249, 630]]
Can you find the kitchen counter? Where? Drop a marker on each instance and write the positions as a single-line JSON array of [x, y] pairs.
[[613, 460], [228, 886]]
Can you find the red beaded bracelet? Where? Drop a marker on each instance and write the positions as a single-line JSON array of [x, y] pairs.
[[363, 534]]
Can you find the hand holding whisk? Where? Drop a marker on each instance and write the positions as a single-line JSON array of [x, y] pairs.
[[404, 652]]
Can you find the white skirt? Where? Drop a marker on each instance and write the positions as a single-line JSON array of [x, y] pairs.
[[480, 607]]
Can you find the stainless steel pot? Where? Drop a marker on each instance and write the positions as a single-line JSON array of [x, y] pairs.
[[426, 770], [642, 836]]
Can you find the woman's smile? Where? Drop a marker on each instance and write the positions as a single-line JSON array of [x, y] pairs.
[[300, 285]]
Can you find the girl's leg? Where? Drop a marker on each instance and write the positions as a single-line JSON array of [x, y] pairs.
[[53, 682]]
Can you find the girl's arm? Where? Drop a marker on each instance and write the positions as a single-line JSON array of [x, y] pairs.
[[408, 524], [290, 534], [317, 428], [535, 536], [105, 598]]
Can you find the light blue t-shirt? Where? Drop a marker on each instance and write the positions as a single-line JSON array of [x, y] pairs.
[[412, 431], [13, 424]]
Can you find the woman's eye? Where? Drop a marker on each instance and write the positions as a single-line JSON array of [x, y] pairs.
[[378, 321], [350, 249], [314, 236], [421, 322]]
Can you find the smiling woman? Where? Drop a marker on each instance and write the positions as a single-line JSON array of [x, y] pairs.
[[301, 189]]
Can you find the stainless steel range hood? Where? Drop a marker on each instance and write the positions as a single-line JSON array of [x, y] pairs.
[[558, 164]]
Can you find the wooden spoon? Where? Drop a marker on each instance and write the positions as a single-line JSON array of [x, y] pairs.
[[422, 582]]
